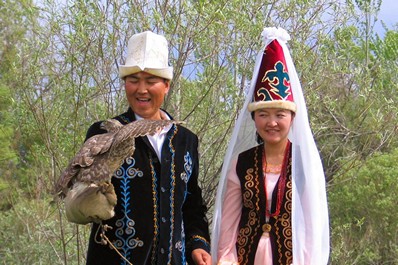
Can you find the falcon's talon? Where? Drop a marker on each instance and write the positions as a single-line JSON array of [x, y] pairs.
[[106, 227]]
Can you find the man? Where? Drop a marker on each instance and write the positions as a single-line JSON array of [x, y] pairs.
[[160, 214]]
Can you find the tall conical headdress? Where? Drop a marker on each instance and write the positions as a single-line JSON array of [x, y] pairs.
[[272, 89], [310, 218]]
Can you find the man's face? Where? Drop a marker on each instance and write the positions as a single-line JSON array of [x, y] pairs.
[[145, 94]]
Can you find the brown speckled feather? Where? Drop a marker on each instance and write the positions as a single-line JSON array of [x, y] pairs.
[[102, 154]]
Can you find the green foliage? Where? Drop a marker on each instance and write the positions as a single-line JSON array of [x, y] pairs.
[[350, 96], [8, 156], [363, 212], [32, 234]]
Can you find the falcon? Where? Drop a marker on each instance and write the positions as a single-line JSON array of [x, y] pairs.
[[85, 184]]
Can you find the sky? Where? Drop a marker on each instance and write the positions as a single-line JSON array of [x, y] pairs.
[[388, 14]]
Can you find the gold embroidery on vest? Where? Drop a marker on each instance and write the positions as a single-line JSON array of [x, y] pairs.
[[284, 240], [287, 230], [251, 200]]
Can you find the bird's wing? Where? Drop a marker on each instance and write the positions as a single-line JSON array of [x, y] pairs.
[[92, 148], [95, 145], [146, 127], [111, 125]]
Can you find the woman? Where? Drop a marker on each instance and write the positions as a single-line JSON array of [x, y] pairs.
[[271, 203]]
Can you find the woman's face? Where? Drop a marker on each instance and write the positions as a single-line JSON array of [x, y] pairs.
[[273, 124]]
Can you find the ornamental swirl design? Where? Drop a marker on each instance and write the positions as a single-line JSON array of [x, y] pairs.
[[187, 168], [125, 231]]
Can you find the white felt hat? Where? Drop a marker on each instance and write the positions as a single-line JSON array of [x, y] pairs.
[[147, 52]]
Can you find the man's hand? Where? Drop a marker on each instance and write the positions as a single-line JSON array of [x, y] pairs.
[[201, 257]]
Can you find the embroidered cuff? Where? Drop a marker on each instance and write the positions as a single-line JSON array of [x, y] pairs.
[[196, 242]]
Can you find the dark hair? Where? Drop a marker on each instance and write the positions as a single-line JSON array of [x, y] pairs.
[[259, 140]]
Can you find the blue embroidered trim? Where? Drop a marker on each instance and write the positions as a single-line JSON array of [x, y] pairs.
[[180, 245], [201, 239], [185, 176], [125, 230], [182, 242]]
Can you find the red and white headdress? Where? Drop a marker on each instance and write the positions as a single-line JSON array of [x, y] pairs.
[[274, 82], [272, 88]]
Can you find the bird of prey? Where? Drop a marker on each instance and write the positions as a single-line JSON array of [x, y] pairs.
[[85, 185]]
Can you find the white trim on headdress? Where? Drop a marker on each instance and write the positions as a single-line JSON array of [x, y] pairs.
[[310, 219]]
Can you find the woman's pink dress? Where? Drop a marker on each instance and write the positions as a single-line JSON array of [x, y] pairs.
[[231, 214]]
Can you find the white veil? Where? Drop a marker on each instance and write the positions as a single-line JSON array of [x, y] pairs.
[[310, 219]]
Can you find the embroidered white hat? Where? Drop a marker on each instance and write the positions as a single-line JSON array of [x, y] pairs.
[[147, 52]]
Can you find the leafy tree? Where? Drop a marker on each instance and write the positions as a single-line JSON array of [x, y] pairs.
[[363, 210], [351, 95], [8, 156]]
